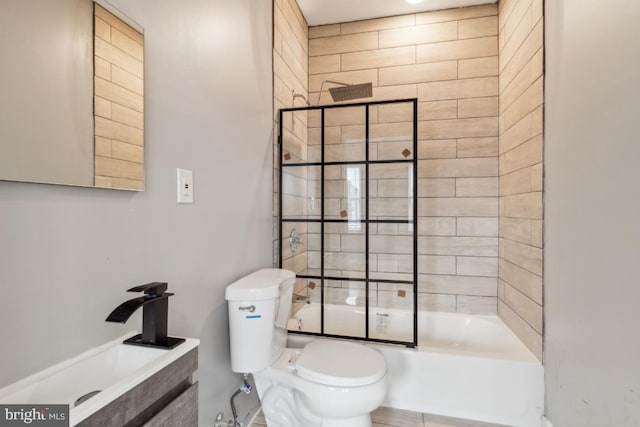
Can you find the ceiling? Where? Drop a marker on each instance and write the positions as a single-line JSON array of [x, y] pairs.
[[321, 12]]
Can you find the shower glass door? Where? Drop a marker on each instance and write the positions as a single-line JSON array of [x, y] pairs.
[[347, 206]]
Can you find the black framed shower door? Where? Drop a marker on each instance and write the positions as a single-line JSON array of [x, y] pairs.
[[347, 180]]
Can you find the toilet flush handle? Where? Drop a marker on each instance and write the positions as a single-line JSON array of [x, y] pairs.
[[250, 308]]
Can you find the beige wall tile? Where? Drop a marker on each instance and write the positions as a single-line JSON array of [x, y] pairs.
[[102, 181], [395, 92], [509, 19], [112, 130], [437, 302], [127, 184], [297, 65], [126, 44], [458, 206], [388, 171], [519, 327], [127, 80], [477, 227], [530, 311], [525, 256], [453, 168], [525, 129], [477, 187], [382, 131], [458, 128], [478, 107], [525, 52], [439, 187], [438, 110], [129, 152], [324, 64], [418, 73], [427, 33], [458, 285], [477, 266], [463, 246], [456, 14], [536, 177], [476, 305], [525, 103], [437, 149], [515, 182], [114, 55], [378, 24], [394, 150], [102, 147], [436, 226], [514, 42], [517, 229], [277, 40], [457, 89], [295, 39], [102, 68], [528, 205], [102, 29], [324, 31], [106, 166], [115, 93], [457, 49], [127, 116], [526, 154], [478, 27], [531, 72], [536, 233], [478, 67], [433, 264], [477, 147], [102, 107], [343, 44], [379, 58], [393, 112], [117, 23]]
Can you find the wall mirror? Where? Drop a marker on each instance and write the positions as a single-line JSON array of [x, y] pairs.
[[72, 94]]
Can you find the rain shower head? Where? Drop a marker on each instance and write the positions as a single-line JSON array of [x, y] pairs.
[[347, 92]]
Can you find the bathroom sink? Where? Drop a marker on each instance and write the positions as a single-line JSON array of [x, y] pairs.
[[95, 378]]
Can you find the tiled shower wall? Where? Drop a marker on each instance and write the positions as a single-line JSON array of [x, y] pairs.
[[448, 60], [118, 103], [521, 143], [290, 65]]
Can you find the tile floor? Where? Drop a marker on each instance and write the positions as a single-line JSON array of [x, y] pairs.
[[389, 417]]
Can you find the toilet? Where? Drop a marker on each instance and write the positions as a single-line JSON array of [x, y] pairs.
[[328, 383]]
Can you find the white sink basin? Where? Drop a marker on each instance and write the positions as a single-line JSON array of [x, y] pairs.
[[113, 368]]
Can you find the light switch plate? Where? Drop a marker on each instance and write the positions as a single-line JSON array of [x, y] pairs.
[[185, 186]]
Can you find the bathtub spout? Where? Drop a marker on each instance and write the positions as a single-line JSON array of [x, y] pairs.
[[301, 298]]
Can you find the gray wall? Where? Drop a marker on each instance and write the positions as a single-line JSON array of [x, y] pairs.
[[67, 255], [592, 213]]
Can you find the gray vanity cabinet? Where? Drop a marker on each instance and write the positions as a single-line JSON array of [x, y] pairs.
[[167, 398]]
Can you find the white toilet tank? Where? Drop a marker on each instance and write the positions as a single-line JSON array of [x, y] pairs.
[[259, 306]]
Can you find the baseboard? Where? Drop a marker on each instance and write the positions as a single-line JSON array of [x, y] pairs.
[[546, 422]]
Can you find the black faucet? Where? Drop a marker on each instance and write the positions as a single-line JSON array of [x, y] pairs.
[[155, 308]]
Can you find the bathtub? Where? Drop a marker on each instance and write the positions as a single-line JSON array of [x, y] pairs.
[[465, 366]]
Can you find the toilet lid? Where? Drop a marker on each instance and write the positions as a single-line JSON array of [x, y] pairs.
[[340, 363]]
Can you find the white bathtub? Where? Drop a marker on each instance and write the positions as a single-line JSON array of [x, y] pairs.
[[465, 366]]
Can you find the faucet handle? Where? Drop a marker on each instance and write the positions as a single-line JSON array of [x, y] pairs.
[[153, 289]]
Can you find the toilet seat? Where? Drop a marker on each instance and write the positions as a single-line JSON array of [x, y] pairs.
[[340, 363]]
